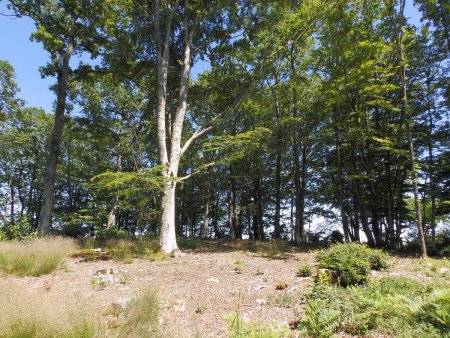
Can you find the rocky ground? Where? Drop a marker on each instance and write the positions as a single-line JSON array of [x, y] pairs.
[[199, 292], [202, 291]]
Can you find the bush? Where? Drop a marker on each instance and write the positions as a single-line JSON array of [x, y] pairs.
[[436, 310], [304, 270], [320, 320], [35, 258], [351, 262], [391, 306], [20, 230], [104, 235]]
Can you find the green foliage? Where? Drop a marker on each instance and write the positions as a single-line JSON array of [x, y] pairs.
[[436, 310], [35, 258], [304, 270], [394, 306], [104, 235], [19, 230], [351, 262], [320, 320], [238, 328]]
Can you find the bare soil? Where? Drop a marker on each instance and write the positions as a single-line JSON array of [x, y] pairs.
[[198, 292], [202, 290]]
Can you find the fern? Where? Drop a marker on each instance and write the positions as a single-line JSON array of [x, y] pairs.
[[320, 319]]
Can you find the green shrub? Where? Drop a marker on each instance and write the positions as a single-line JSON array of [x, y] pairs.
[[103, 235], [304, 270], [351, 262], [320, 320], [19, 230], [390, 306], [436, 310], [238, 328], [35, 258]]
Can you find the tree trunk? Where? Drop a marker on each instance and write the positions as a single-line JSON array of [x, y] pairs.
[[167, 236], [431, 172], [206, 217], [45, 215], [277, 221], [170, 162], [407, 120], [340, 190]]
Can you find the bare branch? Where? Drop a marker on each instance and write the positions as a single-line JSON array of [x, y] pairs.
[[196, 172], [210, 125]]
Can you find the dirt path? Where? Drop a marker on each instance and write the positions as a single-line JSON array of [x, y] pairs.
[[198, 292]]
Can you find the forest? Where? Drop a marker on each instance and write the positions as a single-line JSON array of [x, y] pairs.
[[309, 121], [219, 168]]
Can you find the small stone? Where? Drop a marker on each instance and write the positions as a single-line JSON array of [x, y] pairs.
[[213, 280], [443, 270], [261, 301], [179, 307]]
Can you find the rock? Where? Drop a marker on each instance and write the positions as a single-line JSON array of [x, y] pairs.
[[327, 276], [213, 280], [179, 306], [177, 253], [443, 270], [261, 301]]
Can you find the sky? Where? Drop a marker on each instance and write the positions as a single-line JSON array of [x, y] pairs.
[[26, 57]]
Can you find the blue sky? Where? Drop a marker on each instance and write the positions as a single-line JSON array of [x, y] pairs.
[[26, 57]]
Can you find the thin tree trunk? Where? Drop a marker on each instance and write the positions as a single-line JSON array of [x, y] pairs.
[[12, 203], [340, 190], [45, 215], [277, 221], [431, 173], [111, 221], [215, 221], [407, 119], [206, 217]]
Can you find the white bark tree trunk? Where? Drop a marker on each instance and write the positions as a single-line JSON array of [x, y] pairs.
[[167, 236], [167, 241]]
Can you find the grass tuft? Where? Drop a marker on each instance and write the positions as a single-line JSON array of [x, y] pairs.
[[35, 258], [28, 313], [141, 316]]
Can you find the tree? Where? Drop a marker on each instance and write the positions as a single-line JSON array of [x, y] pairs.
[[64, 28]]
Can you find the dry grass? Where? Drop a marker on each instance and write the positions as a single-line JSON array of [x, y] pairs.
[[33, 313], [35, 258], [141, 316]]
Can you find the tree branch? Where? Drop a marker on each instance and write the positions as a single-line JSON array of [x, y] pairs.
[[184, 178], [210, 125]]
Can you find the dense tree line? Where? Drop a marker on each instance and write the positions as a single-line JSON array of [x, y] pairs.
[[313, 109]]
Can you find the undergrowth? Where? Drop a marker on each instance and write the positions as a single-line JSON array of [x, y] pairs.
[[31, 314], [119, 249], [141, 316], [393, 306], [34, 258], [238, 328], [351, 262]]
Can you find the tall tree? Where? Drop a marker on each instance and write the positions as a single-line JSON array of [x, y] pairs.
[[64, 28]]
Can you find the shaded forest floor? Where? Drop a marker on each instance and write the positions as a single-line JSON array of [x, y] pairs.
[[203, 292]]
